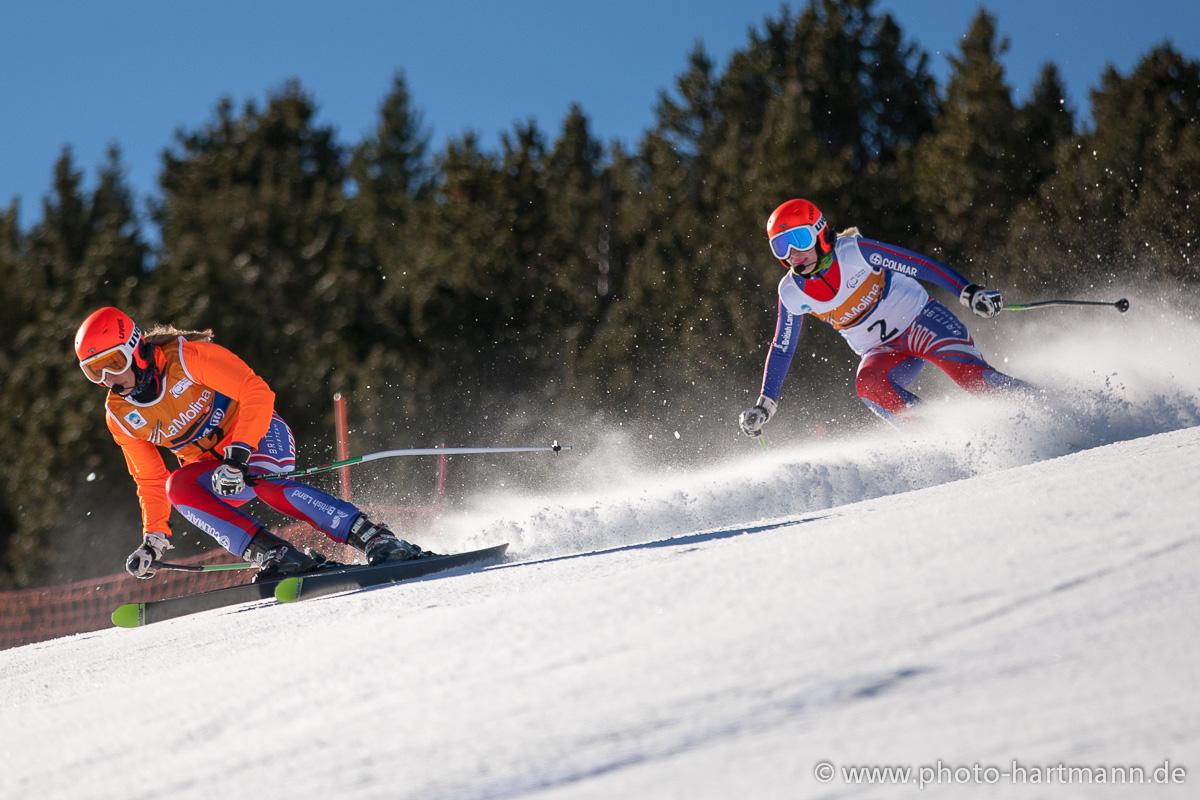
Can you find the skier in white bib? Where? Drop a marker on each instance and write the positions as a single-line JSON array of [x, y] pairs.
[[869, 292]]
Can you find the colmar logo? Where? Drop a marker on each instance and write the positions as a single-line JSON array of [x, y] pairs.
[[204, 525], [892, 264], [181, 387]]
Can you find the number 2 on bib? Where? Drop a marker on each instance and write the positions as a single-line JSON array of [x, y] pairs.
[[884, 333]]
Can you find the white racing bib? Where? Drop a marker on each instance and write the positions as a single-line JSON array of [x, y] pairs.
[[869, 306]]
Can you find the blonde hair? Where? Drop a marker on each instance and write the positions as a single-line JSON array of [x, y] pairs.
[[850, 232], [162, 334]]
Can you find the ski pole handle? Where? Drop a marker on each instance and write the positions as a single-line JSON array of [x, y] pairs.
[[202, 567], [1121, 305], [554, 447]]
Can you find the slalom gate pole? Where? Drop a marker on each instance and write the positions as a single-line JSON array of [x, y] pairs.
[[1121, 305], [554, 447], [203, 567]]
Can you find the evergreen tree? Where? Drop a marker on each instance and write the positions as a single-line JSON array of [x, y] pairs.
[[257, 245], [867, 94], [85, 253], [1147, 163], [393, 176], [449, 291], [391, 171], [18, 295], [967, 171], [1045, 122], [1046, 125], [1123, 194], [19, 300], [579, 250], [678, 207], [58, 244]]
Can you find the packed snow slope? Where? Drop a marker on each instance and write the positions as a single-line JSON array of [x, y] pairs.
[[1002, 581], [1043, 614]]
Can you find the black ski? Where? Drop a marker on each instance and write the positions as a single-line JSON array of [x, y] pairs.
[[316, 584], [133, 615]]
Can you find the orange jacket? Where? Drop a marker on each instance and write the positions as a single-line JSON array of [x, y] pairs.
[[209, 399]]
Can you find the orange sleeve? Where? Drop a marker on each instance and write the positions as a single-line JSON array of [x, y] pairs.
[[217, 368], [146, 467]]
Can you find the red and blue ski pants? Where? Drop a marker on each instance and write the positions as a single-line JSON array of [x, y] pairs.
[[936, 336], [190, 491]]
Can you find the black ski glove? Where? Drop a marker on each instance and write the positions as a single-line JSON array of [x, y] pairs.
[[229, 479], [752, 419], [140, 563], [983, 302]]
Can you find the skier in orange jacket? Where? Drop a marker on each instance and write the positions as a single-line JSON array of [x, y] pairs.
[[180, 391]]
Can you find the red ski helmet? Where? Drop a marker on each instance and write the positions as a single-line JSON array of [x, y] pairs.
[[798, 225], [108, 342]]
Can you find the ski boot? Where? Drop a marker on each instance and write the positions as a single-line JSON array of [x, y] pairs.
[[379, 544], [324, 561], [276, 558]]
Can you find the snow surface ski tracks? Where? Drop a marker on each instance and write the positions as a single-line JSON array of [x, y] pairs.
[[1059, 627]]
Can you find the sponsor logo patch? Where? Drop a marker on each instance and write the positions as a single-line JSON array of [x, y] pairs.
[[187, 415], [785, 340], [892, 264], [866, 303], [213, 423], [181, 387], [135, 420]]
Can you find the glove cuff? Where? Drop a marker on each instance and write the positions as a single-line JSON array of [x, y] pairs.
[[158, 542], [237, 455], [767, 404], [968, 292]]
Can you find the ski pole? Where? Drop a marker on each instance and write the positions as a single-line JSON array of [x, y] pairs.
[[554, 447], [1121, 305], [202, 567]]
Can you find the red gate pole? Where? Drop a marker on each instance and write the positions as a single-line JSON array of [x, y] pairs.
[[342, 436]]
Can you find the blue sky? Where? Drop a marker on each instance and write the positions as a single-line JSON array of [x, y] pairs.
[[132, 71]]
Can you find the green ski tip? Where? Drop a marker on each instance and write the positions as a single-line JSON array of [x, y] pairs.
[[288, 590], [130, 615]]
